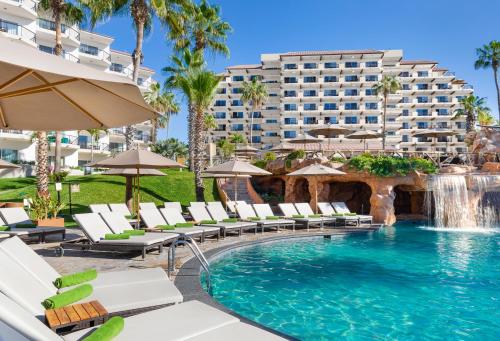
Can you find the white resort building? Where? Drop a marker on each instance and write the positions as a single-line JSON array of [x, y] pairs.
[[19, 20], [312, 88]]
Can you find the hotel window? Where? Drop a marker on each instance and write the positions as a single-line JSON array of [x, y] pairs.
[[273, 95], [404, 74], [331, 65], [331, 120], [406, 112], [330, 79], [221, 91], [405, 138], [310, 120], [270, 133], [371, 78], [423, 86], [460, 138], [310, 66], [351, 106], [290, 120], [351, 120], [422, 125], [443, 86], [256, 139], [391, 119], [351, 78], [220, 115], [256, 127], [442, 112], [238, 78], [237, 103], [237, 90], [371, 106], [290, 134], [330, 92], [237, 127], [405, 125], [290, 66], [46, 49], [310, 79], [423, 74], [221, 127], [256, 77], [310, 93], [460, 125], [422, 99], [116, 67], [257, 114], [370, 92], [442, 99], [272, 121], [391, 133], [330, 106], [371, 64], [350, 92], [271, 107], [371, 119], [422, 112], [442, 125], [290, 80], [290, 107], [290, 93], [220, 103], [88, 49], [237, 114], [405, 87], [309, 106], [405, 100], [351, 64], [9, 155]]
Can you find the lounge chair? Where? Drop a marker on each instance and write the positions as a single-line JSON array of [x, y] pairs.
[[99, 208], [28, 259], [119, 208], [174, 322], [173, 204], [305, 209], [173, 217], [17, 215], [219, 213], [289, 211], [94, 227], [153, 218], [231, 206], [246, 212], [197, 204], [327, 210], [200, 213], [341, 207], [147, 206], [264, 210]]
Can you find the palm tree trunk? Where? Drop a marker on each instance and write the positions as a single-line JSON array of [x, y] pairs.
[[495, 74], [58, 50], [191, 133], [198, 155], [42, 183], [154, 131], [470, 122], [128, 193], [383, 123]]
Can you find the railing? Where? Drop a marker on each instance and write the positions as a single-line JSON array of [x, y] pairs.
[[11, 131], [66, 30], [65, 55], [94, 51], [120, 69], [17, 30], [29, 4]]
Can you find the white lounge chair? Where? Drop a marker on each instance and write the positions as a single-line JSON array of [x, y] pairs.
[[289, 211], [219, 213], [173, 204], [99, 208], [119, 208], [325, 208], [264, 210], [341, 207], [231, 206], [200, 213], [28, 259], [211, 324], [247, 212], [305, 209], [17, 215], [153, 218], [147, 206], [173, 217], [197, 204]]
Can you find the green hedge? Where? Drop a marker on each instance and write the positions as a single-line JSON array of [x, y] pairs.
[[391, 166]]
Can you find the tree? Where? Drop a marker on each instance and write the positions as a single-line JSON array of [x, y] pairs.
[[142, 13], [484, 118], [70, 14], [95, 134], [226, 148], [170, 148], [42, 174], [256, 93], [237, 139], [471, 107], [386, 86], [488, 56], [162, 102]]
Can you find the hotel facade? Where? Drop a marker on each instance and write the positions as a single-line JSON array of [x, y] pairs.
[[20, 21], [315, 88]]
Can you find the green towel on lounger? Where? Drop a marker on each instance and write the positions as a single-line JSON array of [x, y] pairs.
[[254, 218], [184, 225], [135, 232], [116, 236], [208, 222], [68, 297], [272, 217], [338, 215], [165, 227], [25, 226], [4, 228], [75, 279], [230, 220], [298, 216], [314, 216], [131, 216], [351, 214], [107, 331]]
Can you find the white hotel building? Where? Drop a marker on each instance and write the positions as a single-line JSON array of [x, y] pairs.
[[19, 20], [307, 89]]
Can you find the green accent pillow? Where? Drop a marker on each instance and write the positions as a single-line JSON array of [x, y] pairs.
[[107, 331], [352, 214], [184, 225], [230, 220], [25, 226], [4, 228], [135, 232], [68, 297], [131, 216], [208, 222], [272, 217], [75, 279], [338, 215], [165, 227], [314, 216], [254, 218], [116, 236], [298, 216]]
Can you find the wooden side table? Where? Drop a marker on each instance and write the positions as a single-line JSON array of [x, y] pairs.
[[76, 316]]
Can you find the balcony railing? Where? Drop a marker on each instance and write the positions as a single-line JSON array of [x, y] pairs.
[[17, 30], [94, 51], [66, 30], [65, 55], [29, 4]]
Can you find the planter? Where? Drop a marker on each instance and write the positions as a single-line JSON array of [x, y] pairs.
[[50, 222], [13, 204]]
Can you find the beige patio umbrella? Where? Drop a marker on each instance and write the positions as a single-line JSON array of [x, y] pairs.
[[133, 172], [364, 135], [137, 159], [7, 165], [435, 133], [315, 170], [39, 91], [224, 176], [304, 139], [237, 168], [329, 131], [282, 148], [246, 150]]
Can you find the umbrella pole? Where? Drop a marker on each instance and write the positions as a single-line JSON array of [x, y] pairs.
[[138, 198], [316, 197], [236, 188]]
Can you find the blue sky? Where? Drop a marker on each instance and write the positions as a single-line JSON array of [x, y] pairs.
[[447, 31]]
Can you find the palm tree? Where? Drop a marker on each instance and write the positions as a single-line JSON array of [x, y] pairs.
[[471, 107], [42, 174], [199, 87], [484, 118], [226, 148], [256, 93], [142, 13], [95, 134], [387, 85], [237, 139], [171, 148], [488, 56], [163, 103]]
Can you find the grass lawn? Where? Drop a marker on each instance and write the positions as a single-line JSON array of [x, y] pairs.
[[96, 189]]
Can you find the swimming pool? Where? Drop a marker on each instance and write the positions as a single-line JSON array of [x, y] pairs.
[[402, 282]]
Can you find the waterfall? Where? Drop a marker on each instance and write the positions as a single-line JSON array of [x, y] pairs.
[[470, 201]]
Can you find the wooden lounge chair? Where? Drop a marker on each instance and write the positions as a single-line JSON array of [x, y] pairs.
[[17, 215]]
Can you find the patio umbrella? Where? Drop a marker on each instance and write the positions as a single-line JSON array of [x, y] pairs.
[[7, 165], [435, 133], [133, 172], [39, 91], [313, 171], [237, 168], [364, 135], [137, 159], [224, 176], [282, 148], [304, 139], [329, 131], [246, 150]]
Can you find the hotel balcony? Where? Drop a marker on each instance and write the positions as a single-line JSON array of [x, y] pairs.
[[68, 143], [20, 8], [92, 55], [47, 30], [16, 31], [23, 137]]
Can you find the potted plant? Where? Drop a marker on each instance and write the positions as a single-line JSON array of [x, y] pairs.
[[44, 212]]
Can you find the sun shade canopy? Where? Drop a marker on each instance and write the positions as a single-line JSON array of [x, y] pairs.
[[329, 131], [364, 135], [133, 172], [6, 165], [137, 158], [237, 167], [316, 170]]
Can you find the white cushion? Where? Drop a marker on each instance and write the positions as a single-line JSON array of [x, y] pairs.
[[147, 206], [172, 216], [15, 215], [120, 208], [340, 207], [237, 331], [174, 204], [93, 225], [217, 212], [199, 213], [325, 208], [152, 218], [304, 208], [99, 208], [263, 210], [288, 210], [197, 204], [245, 211]]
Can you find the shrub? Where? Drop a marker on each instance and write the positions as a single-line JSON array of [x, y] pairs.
[[269, 156], [338, 159], [58, 176], [260, 163], [390, 166], [296, 154]]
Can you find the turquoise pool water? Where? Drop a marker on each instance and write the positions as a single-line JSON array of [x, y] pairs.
[[402, 282]]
